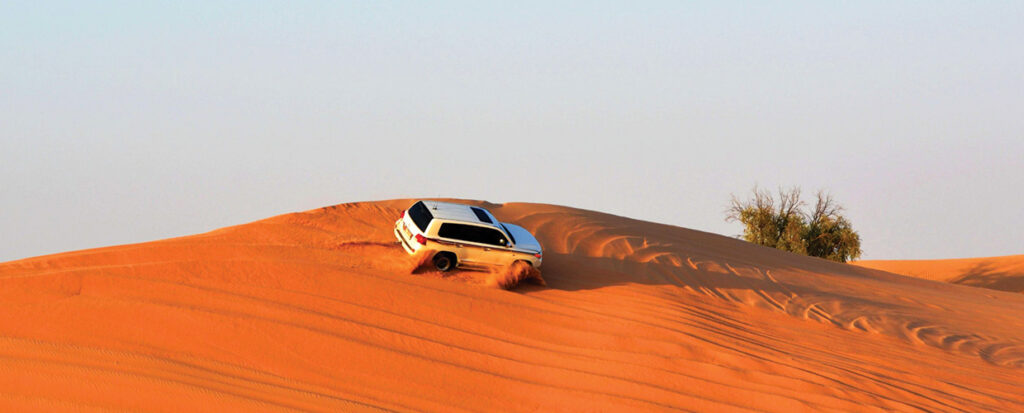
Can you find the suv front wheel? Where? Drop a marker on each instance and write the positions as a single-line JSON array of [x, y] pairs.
[[444, 261]]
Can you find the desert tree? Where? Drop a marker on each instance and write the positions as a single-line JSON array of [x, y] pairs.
[[777, 224], [829, 234], [784, 224]]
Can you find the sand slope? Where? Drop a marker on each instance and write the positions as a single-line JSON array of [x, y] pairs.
[[998, 273], [318, 311]]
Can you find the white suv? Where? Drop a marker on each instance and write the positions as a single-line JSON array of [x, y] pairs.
[[464, 236]]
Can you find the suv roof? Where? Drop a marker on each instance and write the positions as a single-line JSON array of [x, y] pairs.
[[460, 212]]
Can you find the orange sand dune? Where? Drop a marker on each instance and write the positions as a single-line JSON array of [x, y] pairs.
[[998, 273], [319, 311]]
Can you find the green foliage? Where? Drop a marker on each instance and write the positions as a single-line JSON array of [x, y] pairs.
[[783, 224]]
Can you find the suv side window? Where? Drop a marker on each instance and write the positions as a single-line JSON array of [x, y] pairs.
[[472, 233], [454, 231], [493, 237]]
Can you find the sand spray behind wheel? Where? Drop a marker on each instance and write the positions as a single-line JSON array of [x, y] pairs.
[[510, 276]]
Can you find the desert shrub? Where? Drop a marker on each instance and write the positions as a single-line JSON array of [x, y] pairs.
[[784, 224]]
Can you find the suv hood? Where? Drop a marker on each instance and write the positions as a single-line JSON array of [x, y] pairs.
[[524, 239]]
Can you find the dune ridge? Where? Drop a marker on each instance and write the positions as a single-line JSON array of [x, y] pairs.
[[322, 311], [997, 273]]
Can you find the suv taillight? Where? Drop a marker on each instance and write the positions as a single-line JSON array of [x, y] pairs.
[[421, 239], [537, 255]]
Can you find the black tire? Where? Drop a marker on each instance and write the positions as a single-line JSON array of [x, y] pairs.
[[444, 261]]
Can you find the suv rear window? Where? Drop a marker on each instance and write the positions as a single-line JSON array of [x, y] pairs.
[[472, 233], [420, 215]]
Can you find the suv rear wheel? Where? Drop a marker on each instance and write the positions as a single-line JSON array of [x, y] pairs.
[[444, 261]]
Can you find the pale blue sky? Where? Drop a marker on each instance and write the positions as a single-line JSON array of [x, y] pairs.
[[124, 122]]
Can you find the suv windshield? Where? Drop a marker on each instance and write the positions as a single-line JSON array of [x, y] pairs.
[[420, 215], [509, 233]]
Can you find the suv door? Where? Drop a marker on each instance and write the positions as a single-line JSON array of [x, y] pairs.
[[476, 244], [495, 246]]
